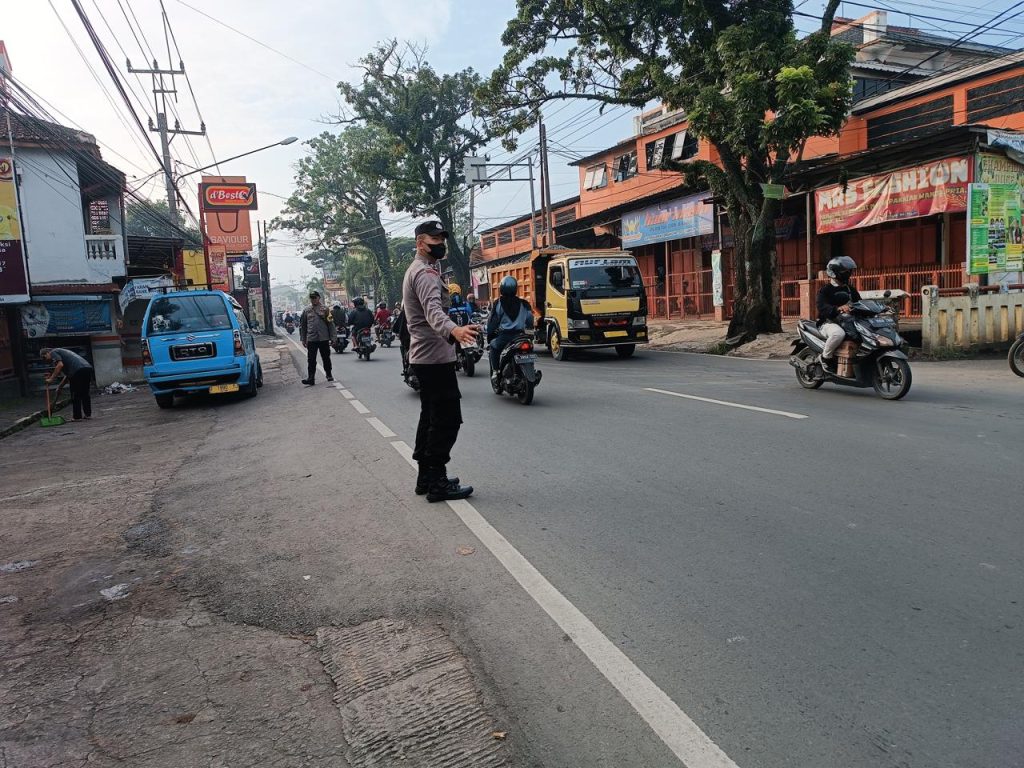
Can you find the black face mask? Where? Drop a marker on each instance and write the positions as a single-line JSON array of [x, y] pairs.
[[437, 251]]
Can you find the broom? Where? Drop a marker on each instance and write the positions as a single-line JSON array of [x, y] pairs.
[[49, 420]]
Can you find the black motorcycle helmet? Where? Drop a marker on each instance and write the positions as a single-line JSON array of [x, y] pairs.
[[359, 301], [509, 286], [382, 305], [840, 268]]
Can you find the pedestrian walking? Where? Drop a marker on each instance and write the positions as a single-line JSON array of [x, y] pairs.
[[79, 374], [316, 330], [425, 304]]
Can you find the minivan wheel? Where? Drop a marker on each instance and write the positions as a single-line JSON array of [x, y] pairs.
[[252, 388], [259, 375], [165, 401]]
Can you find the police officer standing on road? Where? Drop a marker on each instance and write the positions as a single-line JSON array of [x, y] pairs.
[[425, 304], [316, 330]]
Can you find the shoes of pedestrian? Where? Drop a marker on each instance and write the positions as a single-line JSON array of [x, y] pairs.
[[448, 489], [309, 382], [330, 378], [423, 481]]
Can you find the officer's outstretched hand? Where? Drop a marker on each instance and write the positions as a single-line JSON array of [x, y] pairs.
[[466, 334]]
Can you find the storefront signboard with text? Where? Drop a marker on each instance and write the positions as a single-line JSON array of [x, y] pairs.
[[995, 240], [13, 275], [907, 193], [686, 217]]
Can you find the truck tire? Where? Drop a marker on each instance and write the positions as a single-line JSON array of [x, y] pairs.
[[558, 352], [625, 350]]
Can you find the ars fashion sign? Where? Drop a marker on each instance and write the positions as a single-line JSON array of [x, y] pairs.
[[908, 193]]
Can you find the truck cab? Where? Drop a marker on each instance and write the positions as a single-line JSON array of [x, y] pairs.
[[588, 299]]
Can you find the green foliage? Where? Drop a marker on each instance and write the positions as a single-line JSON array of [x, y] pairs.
[[147, 218], [427, 122], [749, 87]]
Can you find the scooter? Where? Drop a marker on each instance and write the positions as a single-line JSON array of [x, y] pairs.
[[385, 336], [411, 379], [290, 327], [340, 343], [466, 358], [1016, 356], [363, 344], [873, 354], [517, 370]]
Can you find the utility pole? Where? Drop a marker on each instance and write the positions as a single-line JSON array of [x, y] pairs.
[[167, 134], [545, 186], [268, 306]]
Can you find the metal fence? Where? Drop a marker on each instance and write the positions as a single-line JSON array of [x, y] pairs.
[[685, 295], [909, 279]]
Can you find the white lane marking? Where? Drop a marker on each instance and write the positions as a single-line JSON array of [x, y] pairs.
[[339, 386], [772, 411], [347, 395], [404, 451], [360, 408], [686, 740], [380, 426]]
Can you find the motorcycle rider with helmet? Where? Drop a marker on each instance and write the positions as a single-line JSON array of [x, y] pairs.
[[834, 299], [510, 318], [360, 317], [382, 315]]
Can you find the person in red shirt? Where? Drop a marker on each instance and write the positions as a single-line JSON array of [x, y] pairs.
[[382, 315]]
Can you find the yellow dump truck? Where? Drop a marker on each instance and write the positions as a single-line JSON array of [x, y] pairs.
[[583, 298]]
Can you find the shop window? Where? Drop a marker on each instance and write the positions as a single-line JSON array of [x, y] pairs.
[[625, 166], [99, 218], [505, 237], [909, 123], [678, 147], [565, 216], [596, 177], [488, 241], [522, 232]]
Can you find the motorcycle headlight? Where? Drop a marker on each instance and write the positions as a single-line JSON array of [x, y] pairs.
[[640, 320], [578, 325], [885, 341]]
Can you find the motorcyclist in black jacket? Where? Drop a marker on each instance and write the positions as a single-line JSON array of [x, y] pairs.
[[834, 299], [360, 317]]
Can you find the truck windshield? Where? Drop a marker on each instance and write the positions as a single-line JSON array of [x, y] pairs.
[[177, 314], [605, 278]]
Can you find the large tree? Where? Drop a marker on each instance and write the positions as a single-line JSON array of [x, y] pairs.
[[750, 87], [339, 199], [431, 120]]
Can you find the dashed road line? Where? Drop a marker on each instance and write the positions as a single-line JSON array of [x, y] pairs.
[[680, 734], [772, 411]]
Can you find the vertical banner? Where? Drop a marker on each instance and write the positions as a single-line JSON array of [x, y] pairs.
[[718, 294], [995, 238], [219, 268], [226, 202], [13, 273]]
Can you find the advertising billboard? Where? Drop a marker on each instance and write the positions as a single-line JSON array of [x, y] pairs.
[[227, 224], [13, 274]]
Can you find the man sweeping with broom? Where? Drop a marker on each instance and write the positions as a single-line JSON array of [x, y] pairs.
[[79, 374]]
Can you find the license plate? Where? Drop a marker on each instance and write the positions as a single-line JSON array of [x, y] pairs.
[[218, 389], [526, 359], [192, 351], [615, 334]]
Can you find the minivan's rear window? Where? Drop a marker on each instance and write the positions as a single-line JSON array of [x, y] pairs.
[[186, 314]]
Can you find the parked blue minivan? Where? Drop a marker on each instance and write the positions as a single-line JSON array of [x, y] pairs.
[[198, 341]]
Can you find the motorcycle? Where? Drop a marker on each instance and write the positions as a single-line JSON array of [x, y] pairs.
[[517, 370], [873, 354], [1016, 356], [410, 378], [385, 336], [290, 327], [340, 343], [466, 358], [363, 344]]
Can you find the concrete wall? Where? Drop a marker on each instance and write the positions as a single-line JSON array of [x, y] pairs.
[[973, 321], [54, 221]]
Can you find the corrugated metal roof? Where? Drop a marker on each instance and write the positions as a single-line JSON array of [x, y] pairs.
[[939, 81]]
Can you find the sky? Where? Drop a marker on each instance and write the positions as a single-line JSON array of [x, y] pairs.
[[250, 96]]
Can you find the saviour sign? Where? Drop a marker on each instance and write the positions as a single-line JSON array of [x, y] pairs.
[[909, 193], [228, 197]]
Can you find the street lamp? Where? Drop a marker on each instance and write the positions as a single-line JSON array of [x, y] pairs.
[[282, 143]]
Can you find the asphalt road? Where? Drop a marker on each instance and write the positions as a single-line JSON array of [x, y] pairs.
[[835, 580]]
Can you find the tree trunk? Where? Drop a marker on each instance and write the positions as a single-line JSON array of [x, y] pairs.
[[756, 299], [458, 259]]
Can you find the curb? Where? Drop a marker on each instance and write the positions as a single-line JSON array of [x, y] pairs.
[[27, 421]]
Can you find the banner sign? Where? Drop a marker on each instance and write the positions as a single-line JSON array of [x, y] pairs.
[[66, 318], [142, 288], [228, 197], [218, 268], [717, 284], [1011, 142], [13, 275], [997, 169], [909, 193], [995, 240], [226, 225], [686, 217]]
